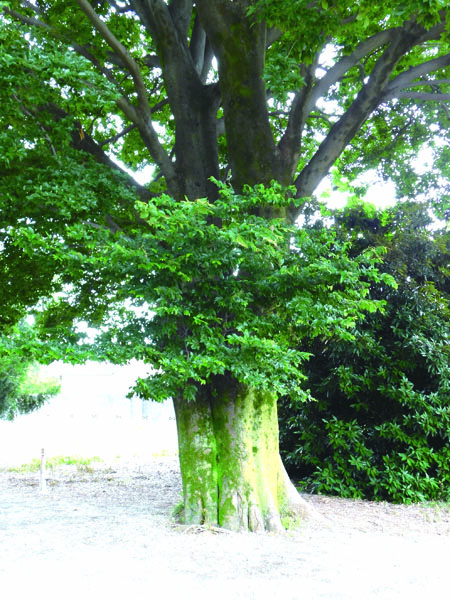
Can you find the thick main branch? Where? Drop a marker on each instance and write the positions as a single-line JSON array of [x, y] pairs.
[[239, 45], [194, 105], [364, 104]]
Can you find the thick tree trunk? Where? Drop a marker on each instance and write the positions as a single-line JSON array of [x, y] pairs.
[[239, 45], [230, 465]]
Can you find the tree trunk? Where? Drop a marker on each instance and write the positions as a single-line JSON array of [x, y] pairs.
[[230, 465], [239, 46]]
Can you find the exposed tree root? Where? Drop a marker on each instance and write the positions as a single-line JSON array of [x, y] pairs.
[[295, 504]]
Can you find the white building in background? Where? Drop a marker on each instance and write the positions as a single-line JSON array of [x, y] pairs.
[[91, 416], [96, 390]]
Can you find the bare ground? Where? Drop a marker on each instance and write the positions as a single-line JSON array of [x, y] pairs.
[[108, 533]]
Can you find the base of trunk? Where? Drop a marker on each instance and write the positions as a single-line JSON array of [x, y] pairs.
[[232, 474]]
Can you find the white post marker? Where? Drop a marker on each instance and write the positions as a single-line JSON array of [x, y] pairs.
[[42, 477]]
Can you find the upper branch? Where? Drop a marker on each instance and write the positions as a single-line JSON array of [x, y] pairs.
[[81, 140], [364, 49], [347, 62], [26, 20], [81, 50], [181, 11], [429, 96], [406, 79], [166, 25], [32, 6], [121, 51], [141, 116], [197, 46], [306, 97], [290, 143], [366, 101]]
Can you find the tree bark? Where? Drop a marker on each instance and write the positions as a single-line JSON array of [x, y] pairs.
[[239, 45], [232, 474]]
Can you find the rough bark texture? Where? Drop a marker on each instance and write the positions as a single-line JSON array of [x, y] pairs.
[[239, 45], [229, 458]]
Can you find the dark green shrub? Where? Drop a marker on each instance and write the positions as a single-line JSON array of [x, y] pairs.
[[379, 427]]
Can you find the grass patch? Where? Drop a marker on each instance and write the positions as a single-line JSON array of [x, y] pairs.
[[164, 454], [291, 521], [177, 513], [56, 461]]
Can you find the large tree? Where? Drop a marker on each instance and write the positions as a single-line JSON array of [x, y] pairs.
[[242, 108]]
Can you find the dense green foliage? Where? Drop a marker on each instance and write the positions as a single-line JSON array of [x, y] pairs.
[[197, 300], [22, 388], [379, 427]]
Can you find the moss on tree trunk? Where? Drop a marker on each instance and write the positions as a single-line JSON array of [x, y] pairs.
[[230, 466]]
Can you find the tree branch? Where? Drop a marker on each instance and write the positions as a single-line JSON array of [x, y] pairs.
[[81, 140], [150, 60], [181, 11], [27, 20], [121, 51], [347, 62], [81, 50], [180, 72], [33, 116], [198, 45], [363, 49], [407, 78], [436, 97], [140, 116], [207, 63], [190, 100], [366, 101], [32, 6], [151, 141], [201, 50], [290, 143], [430, 82], [116, 137]]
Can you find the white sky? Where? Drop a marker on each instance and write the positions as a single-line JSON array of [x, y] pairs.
[[380, 193]]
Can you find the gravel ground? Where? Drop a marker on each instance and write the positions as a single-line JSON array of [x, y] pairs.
[[107, 533]]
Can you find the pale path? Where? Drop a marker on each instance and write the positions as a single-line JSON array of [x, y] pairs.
[[108, 535]]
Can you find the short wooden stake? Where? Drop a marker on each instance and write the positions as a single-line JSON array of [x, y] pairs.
[[42, 478]]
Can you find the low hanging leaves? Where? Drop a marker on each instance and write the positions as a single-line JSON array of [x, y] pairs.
[[211, 289]]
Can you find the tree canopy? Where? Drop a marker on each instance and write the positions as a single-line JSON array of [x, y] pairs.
[[155, 159], [247, 92]]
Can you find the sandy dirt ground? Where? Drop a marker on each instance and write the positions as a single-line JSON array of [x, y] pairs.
[[107, 533]]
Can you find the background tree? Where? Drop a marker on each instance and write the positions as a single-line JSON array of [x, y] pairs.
[[380, 423], [23, 389], [266, 97]]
